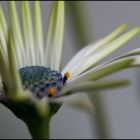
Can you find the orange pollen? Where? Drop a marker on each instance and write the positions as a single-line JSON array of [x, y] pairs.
[[51, 91], [67, 74]]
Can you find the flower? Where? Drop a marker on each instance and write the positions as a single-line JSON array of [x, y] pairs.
[[33, 85]]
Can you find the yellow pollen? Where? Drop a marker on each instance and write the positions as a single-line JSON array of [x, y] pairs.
[[51, 91], [67, 74]]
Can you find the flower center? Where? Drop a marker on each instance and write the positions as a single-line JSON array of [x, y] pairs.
[[42, 81]]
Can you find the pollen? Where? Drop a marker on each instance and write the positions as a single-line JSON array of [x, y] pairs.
[[51, 91], [67, 74]]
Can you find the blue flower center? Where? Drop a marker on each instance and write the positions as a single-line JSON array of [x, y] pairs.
[[41, 81]]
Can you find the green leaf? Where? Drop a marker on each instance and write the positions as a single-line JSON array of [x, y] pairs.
[[55, 35]]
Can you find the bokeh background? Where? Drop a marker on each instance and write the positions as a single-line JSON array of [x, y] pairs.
[[122, 106]]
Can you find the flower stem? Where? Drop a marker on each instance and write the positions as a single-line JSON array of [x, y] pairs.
[[77, 17], [39, 129], [82, 39], [99, 117]]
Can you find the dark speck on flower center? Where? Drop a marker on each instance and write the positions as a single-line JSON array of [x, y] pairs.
[[41, 81]]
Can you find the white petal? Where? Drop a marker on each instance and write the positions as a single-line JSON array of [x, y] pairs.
[[3, 22], [80, 54], [28, 33], [104, 70], [55, 35], [4, 69], [92, 86], [108, 49], [16, 91], [1, 87], [94, 47], [38, 40], [89, 61], [14, 22], [3, 32], [134, 54], [3, 42], [130, 53], [136, 62]]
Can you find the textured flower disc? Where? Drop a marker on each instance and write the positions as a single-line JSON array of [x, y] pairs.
[[39, 80]]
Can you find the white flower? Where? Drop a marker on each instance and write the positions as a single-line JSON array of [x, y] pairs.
[[25, 58]]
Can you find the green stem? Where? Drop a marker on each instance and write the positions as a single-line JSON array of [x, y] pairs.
[[82, 38], [77, 19], [99, 117], [39, 129]]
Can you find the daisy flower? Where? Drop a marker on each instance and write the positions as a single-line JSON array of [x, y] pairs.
[[33, 84]]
